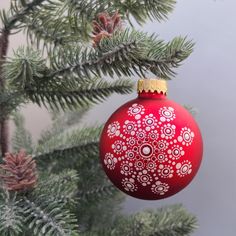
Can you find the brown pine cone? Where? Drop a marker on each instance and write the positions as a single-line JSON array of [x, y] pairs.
[[19, 172], [105, 25]]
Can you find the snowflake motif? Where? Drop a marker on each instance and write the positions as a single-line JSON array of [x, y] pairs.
[[129, 184], [146, 151], [139, 165], [126, 168], [165, 171], [184, 168], [130, 127], [141, 134], [144, 178], [151, 166], [167, 114], [153, 135], [186, 136], [160, 188], [129, 154], [168, 131], [110, 161], [162, 157], [131, 141], [176, 152], [119, 146], [149, 122], [113, 129], [136, 110], [161, 145]]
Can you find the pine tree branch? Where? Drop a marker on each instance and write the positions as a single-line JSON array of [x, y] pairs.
[[68, 150], [48, 218], [18, 11], [77, 95], [97, 61], [72, 156], [11, 216], [59, 188], [141, 10], [9, 102], [124, 53], [168, 221], [70, 21], [99, 193]]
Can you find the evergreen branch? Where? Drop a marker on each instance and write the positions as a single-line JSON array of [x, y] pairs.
[[162, 60], [25, 68], [70, 21], [22, 137], [125, 53], [171, 221], [63, 119], [101, 192], [142, 10], [114, 56], [59, 188], [74, 137], [18, 11], [11, 216], [68, 150], [10, 101], [47, 218], [78, 95], [70, 154]]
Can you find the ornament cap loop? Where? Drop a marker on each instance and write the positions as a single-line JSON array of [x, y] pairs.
[[152, 85]]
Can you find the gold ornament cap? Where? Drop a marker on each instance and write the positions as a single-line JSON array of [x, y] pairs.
[[152, 85]]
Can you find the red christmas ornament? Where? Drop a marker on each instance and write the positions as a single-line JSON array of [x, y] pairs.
[[151, 147]]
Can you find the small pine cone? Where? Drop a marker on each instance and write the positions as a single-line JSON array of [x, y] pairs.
[[19, 172], [105, 25]]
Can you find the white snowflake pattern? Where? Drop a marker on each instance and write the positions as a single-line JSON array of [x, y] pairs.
[[168, 131], [126, 168], [165, 171], [130, 127], [162, 157], [176, 152], [184, 168], [131, 141], [113, 129], [139, 165], [149, 122], [167, 114], [141, 134], [136, 110], [161, 145], [146, 150], [119, 147], [144, 178], [110, 161], [160, 188], [129, 154], [151, 166], [153, 135], [186, 136], [129, 184]]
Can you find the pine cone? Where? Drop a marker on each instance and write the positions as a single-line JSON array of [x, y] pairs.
[[105, 25], [20, 172]]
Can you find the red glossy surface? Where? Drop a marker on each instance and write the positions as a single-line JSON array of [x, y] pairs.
[[151, 147]]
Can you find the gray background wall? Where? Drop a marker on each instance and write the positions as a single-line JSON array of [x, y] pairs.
[[205, 81]]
